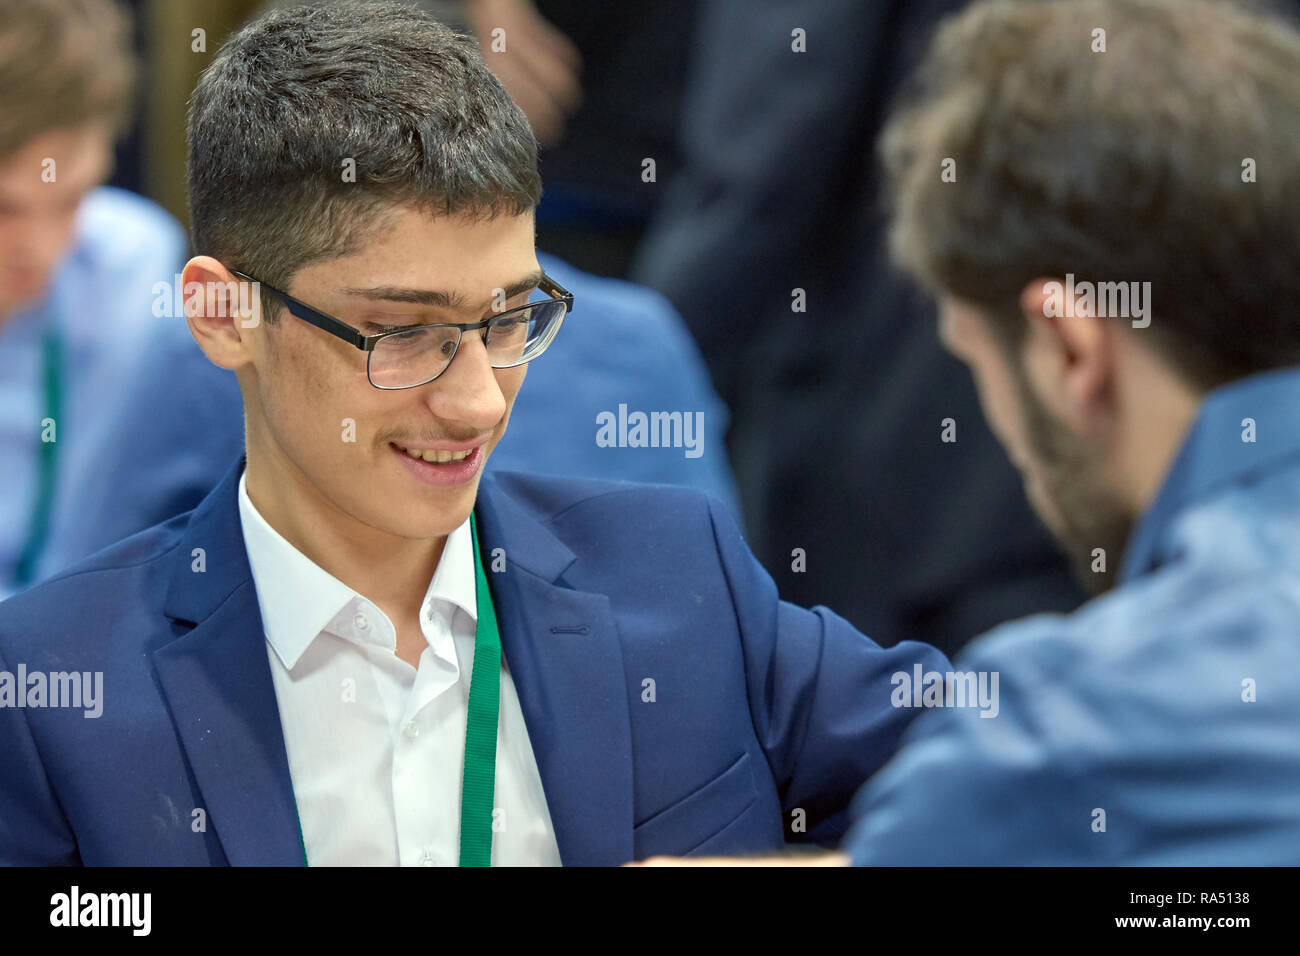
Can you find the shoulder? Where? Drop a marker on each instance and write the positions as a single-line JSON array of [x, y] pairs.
[[126, 249], [618, 529], [1143, 699], [119, 229], [568, 501], [107, 591], [1165, 621], [1143, 661]]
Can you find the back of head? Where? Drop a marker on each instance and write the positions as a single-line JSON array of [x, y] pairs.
[[63, 63], [1141, 140], [311, 121]]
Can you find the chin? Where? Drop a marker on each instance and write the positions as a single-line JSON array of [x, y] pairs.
[[436, 523], [1095, 523]]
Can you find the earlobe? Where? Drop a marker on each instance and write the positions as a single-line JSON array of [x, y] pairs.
[[1091, 373]]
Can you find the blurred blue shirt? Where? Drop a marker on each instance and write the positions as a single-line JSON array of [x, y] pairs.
[[99, 300], [1160, 723], [623, 344]]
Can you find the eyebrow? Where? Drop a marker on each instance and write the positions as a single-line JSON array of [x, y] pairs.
[[437, 297]]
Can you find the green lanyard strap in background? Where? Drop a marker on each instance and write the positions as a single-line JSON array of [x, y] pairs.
[[478, 785], [51, 392]]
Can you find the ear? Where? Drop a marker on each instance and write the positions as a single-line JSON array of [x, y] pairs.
[[1069, 354], [221, 310]]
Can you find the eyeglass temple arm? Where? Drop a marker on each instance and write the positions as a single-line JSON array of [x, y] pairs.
[[319, 319], [556, 291]]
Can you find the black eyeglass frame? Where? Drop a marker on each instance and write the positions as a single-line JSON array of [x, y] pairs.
[[367, 343]]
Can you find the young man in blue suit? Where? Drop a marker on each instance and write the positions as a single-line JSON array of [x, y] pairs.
[[358, 649]]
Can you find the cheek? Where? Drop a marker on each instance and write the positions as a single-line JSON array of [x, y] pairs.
[[1000, 403], [38, 240], [510, 380], [312, 391]]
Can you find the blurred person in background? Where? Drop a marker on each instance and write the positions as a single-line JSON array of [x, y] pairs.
[[78, 262], [1154, 164], [869, 479]]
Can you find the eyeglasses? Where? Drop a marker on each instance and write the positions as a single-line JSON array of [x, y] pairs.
[[418, 354]]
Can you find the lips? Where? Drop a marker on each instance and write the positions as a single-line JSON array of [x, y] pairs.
[[441, 466]]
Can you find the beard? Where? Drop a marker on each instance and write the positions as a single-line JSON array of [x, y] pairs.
[[1073, 499]]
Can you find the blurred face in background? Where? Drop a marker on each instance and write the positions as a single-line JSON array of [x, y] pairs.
[[1063, 471], [39, 200]]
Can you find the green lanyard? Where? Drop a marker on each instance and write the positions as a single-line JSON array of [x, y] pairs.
[[476, 789], [51, 367], [479, 780]]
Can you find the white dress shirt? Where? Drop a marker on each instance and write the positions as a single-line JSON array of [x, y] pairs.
[[376, 747]]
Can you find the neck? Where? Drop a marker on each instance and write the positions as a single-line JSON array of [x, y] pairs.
[[391, 571], [1161, 409]]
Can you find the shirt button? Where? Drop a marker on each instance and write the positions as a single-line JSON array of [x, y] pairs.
[[411, 730], [428, 859], [361, 622]]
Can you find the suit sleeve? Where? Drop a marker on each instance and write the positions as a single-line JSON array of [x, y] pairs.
[[819, 693], [33, 829]]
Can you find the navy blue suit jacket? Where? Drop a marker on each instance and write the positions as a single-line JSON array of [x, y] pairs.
[[760, 709]]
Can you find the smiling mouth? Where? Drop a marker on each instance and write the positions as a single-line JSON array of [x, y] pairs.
[[437, 456]]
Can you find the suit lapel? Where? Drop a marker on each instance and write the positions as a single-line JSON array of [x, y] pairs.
[[217, 683], [562, 647], [563, 651]]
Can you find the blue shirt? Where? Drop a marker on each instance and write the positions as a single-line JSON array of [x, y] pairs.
[[1160, 723], [99, 301]]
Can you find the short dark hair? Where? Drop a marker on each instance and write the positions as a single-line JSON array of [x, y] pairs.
[[1118, 165], [63, 63], [295, 93]]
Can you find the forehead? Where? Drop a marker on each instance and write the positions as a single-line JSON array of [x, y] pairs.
[[462, 253], [76, 158]]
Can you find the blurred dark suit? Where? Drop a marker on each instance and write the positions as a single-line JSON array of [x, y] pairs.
[[837, 410]]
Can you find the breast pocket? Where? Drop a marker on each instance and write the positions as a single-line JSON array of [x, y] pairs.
[[701, 814]]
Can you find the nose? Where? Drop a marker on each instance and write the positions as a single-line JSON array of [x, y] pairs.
[[467, 393]]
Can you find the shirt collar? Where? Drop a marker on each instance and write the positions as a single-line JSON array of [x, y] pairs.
[[298, 598], [453, 579], [1215, 456]]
